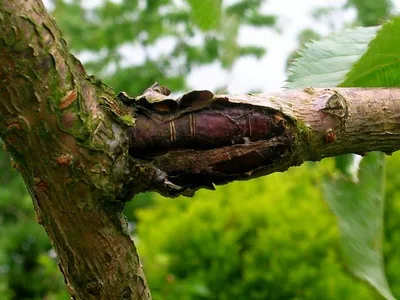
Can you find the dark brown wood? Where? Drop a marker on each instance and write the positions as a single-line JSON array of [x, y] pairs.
[[209, 127]]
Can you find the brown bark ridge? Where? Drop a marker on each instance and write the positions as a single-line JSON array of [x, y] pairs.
[[82, 151]]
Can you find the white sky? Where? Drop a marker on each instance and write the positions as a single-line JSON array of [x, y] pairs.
[[268, 73]]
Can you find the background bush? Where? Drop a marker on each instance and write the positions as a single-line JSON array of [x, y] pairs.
[[272, 238]]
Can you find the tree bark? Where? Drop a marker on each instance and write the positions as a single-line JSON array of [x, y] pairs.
[[206, 139], [71, 152], [83, 152]]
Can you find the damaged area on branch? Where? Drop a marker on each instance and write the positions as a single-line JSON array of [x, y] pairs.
[[200, 139]]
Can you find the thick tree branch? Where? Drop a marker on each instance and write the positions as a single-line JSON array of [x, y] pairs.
[[71, 152]]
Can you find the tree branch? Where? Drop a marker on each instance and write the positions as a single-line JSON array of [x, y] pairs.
[[67, 139], [204, 139]]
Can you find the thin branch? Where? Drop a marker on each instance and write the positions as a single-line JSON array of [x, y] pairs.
[[203, 139]]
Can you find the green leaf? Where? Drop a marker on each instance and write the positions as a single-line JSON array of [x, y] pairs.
[[356, 196], [326, 62], [359, 209], [361, 222], [347, 164], [206, 14], [380, 66]]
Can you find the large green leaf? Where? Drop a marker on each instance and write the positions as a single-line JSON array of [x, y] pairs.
[[325, 63], [361, 223], [355, 195], [359, 208], [380, 66]]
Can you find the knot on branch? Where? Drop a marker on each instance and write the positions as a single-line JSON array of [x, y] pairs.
[[333, 109]]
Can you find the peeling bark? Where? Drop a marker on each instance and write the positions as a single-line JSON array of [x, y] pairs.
[[83, 152]]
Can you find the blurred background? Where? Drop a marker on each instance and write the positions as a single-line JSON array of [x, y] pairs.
[[269, 238]]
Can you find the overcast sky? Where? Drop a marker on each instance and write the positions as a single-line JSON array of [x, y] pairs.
[[268, 73]]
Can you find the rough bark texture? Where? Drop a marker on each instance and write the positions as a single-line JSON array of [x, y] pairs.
[[71, 152], [83, 152]]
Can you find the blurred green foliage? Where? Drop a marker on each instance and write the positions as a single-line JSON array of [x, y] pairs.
[[371, 12], [130, 43], [270, 238]]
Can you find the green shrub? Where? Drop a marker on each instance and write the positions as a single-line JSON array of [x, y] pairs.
[[271, 238], [392, 223]]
